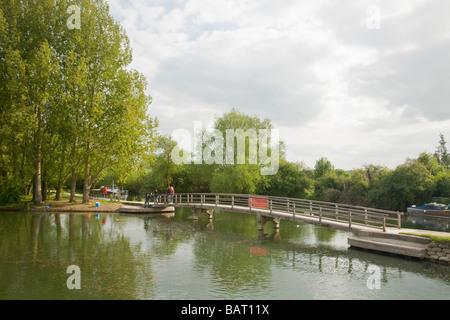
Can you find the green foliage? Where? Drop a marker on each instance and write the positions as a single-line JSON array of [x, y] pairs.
[[69, 103], [164, 170], [441, 153], [328, 180], [414, 182], [11, 195], [408, 184], [239, 178], [322, 167], [442, 184], [290, 181]]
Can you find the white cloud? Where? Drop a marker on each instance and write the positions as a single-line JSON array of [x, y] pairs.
[[334, 87]]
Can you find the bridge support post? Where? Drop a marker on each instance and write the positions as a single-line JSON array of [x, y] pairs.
[[196, 212], [263, 219]]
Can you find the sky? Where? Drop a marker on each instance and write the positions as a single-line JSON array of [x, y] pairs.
[[359, 82]]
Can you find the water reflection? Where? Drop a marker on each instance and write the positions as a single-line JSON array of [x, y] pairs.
[[426, 222], [36, 250], [175, 257]]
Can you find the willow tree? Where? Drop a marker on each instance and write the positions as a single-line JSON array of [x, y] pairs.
[[245, 152]]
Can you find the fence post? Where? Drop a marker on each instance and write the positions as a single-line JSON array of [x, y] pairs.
[[270, 205], [250, 202], [293, 212], [365, 216], [399, 220], [349, 219], [337, 212], [320, 215], [217, 200], [288, 205], [232, 202], [384, 223], [310, 208]]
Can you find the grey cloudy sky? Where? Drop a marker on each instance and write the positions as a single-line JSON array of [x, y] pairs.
[[359, 82]]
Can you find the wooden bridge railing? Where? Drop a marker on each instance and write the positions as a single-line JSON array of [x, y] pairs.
[[269, 204]]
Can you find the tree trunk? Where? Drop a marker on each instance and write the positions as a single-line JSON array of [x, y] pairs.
[[44, 190], [73, 185], [86, 185], [61, 180], [59, 191], [37, 190]]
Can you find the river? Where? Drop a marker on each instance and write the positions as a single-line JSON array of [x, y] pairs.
[[169, 257]]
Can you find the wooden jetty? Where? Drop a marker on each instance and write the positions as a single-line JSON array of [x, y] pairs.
[[138, 207]]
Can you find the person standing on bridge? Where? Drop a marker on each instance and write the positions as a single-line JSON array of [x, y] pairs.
[[172, 193], [147, 201], [156, 196]]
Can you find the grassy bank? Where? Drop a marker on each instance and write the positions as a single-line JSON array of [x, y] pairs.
[[434, 238], [105, 205]]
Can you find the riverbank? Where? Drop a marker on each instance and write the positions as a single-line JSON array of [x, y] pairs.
[[66, 206]]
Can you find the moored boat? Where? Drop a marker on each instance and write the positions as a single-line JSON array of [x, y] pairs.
[[434, 209]]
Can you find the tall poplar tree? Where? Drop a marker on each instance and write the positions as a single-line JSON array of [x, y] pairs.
[[113, 117], [68, 99], [441, 152]]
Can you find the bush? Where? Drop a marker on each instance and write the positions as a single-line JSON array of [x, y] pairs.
[[11, 195]]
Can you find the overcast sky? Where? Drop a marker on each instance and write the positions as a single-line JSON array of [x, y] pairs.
[[359, 82]]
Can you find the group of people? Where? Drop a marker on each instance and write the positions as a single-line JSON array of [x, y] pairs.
[[169, 198]]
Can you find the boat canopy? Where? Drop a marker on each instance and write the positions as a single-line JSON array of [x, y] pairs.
[[436, 206]]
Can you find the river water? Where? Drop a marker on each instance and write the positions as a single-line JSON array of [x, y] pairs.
[[174, 257]]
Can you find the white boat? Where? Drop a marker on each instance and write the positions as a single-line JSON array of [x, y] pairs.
[[432, 209]]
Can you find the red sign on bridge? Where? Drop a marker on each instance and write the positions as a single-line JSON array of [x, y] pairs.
[[260, 203]]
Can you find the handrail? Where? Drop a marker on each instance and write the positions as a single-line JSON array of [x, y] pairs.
[[370, 217]]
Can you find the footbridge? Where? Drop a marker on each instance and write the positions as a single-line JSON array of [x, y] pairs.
[[273, 209], [372, 229]]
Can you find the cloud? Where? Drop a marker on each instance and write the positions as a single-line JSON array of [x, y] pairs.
[[249, 69], [413, 78], [332, 84]]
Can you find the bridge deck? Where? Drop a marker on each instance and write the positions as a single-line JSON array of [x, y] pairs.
[[298, 217]]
